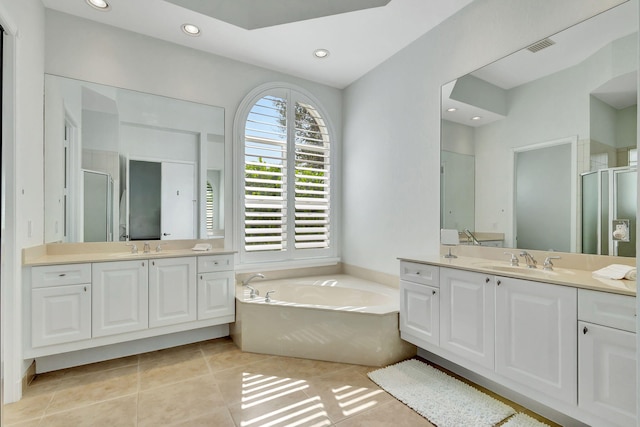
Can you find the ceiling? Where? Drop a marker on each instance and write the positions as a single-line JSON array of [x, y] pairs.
[[359, 34]]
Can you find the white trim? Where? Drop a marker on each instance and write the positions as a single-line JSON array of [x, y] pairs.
[[278, 265], [573, 140], [11, 360]]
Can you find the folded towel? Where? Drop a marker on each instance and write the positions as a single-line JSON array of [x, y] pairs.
[[616, 271]]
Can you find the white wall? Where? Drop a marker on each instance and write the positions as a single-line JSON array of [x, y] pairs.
[[391, 140], [22, 143]]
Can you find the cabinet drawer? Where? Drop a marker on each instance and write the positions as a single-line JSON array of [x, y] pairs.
[[56, 275], [602, 308], [215, 263], [419, 273]]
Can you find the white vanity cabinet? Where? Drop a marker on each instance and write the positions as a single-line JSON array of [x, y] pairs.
[[120, 297], [467, 315], [216, 287], [60, 304], [420, 304], [607, 357], [172, 291], [535, 336]]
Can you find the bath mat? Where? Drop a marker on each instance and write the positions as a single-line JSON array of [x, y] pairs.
[[523, 420], [443, 400]]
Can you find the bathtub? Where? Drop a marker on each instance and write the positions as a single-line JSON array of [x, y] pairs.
[[336, 318]]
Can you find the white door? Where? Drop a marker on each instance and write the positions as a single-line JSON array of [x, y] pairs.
[[178, 217], [607, 373], [467, 322], [60, 314], [419, 313], [172, 291], [120, 297], [535, 336], [216, 295]]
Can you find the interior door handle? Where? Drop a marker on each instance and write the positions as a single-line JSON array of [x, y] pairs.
[[166, 234]]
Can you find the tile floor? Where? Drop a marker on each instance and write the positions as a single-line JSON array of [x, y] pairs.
[[211, 383]]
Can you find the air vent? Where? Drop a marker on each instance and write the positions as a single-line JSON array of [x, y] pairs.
[[542, 44]]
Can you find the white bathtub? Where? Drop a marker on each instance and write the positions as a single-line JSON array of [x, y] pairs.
[[336, 318]]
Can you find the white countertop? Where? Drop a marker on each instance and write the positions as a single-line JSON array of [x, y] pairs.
[[559, 276]]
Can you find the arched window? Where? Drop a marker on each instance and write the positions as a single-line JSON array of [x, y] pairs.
[[287, 178]]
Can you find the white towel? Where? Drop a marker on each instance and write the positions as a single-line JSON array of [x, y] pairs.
[[616, 271]]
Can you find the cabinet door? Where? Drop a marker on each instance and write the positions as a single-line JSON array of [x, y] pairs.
[[607, 373], [467, 322], [120, 297], [60, 314], [172, 291], [535, 336], [419, 313], [216, 295]]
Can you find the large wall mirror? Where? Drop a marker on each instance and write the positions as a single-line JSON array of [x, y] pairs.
[[539, 148], [125, 165]]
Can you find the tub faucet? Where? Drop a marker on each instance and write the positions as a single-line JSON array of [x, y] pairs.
[[254, 292], [267, 298], [531, 262]]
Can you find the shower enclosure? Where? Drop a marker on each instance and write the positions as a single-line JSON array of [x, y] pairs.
[[609, 196]]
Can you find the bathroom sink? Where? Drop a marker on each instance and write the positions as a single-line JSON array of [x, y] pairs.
[[524, 270]]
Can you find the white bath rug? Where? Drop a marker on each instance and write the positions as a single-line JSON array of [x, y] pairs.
[[523, 420], [443, 400]]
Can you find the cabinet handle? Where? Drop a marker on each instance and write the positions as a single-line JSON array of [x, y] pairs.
[[433, 292], [62, 274], [215, 262], [153, 263], [143, 263], [85, 289], [498, 282], [201, 277], [487, 280], [417, 273], [585, 330]]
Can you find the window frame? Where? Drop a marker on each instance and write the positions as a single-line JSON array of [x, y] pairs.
[[292, 256]]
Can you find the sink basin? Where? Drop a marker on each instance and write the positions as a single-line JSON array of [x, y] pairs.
[[523, 270]]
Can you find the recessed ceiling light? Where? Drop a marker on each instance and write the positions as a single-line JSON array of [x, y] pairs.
[[451, 110], [476, 118], [321, 53], [191, 29], [99, 4]]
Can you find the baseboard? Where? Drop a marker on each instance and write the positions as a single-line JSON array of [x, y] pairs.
[[99, 354]]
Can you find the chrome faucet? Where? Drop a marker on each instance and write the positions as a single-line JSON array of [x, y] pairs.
[[548, 265], [159, 247], [134, 248], [267, 297], [146, 248], [253, 291], [531, 262], [471, 237], [514, 260]]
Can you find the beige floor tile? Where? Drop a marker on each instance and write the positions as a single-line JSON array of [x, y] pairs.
[[286, 409], [92, 368], [392, 413], [179, 401], [84, 390], [168, 370], [119, 412], [233, 358], [347, 392], [31, 406], [219, 417], [30, 423]]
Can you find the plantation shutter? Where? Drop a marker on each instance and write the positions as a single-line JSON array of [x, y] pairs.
[[209, 209], [265, 153], [311, 179], [286, 177]]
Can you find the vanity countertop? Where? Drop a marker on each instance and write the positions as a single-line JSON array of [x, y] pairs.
[[74, 253], [559, 276]]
